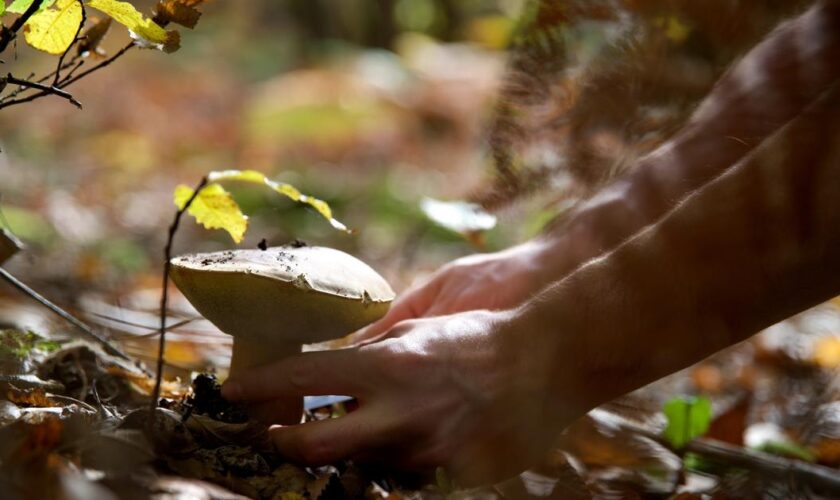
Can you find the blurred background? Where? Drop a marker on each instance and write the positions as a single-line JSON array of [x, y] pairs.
[[371, 106]]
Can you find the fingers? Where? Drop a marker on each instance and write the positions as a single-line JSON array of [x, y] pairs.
[[343, 372], [412, 305], [327, 441], [285, 411]]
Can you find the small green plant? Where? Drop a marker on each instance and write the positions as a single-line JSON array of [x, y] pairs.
[[688, 418], [20, 344]]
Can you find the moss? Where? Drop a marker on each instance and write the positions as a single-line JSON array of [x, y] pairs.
[[20, 344]]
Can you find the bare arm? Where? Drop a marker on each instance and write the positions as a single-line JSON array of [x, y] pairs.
[[757, 244], [482, 392], [771, 85]]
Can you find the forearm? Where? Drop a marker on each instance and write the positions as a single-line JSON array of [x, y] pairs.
[[755, 245], [771, 85]]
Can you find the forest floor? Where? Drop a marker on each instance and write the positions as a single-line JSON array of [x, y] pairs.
[[75, 423]]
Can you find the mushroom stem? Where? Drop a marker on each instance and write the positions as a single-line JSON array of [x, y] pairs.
[[250, 354]]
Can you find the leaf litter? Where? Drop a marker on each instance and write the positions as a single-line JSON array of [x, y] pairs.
[[73, 418]]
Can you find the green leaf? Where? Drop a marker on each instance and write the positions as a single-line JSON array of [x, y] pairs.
[[53, 30], [688, 418], [214, 208], [144, 28], [20, 6], [2, 7], [287, 190], [788, 449]]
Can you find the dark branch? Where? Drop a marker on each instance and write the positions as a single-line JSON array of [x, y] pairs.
[[63, 314], [70, 80], [76, 39], [7, 34], [45, 89], [164, 298], [821, 477]]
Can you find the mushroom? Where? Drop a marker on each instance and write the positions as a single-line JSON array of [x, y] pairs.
[[272, 301]]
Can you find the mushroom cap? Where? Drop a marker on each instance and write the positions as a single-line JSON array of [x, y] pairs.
[[283, 294]]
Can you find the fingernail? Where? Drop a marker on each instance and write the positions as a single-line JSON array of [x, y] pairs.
[[232, 390]]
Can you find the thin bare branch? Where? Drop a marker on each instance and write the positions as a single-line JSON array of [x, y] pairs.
[[164, 298], [76, 39], [68, 81], [43, 88], [5, 275]]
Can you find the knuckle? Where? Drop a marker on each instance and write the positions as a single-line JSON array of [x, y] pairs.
[[298, 375]]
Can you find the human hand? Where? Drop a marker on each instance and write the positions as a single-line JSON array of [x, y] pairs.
[[471, 392], [492, 281]]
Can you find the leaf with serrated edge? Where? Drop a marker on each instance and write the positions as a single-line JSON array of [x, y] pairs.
[[285, 189], [53, 30], [214, 208], [144, 28]]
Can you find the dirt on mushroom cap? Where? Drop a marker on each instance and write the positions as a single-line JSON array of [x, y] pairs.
[[318, 268], [283, 295]]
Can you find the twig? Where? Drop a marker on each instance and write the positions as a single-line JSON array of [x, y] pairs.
[[43, 88], [76, 38], [164, 297], [822, 478], [7, 34], [76, 67], [63, 314], [19, 90], [106, 62], [69, 79]]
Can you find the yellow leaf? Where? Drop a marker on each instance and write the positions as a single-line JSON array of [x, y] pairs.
[[214, 208], [53, 30], [285, 189], [827, 352], [125, 14]]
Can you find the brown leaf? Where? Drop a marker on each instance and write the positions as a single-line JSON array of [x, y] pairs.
[[30, 398], [181, 12], [94, 35], [179, 487], [117, 451], [213, 432]]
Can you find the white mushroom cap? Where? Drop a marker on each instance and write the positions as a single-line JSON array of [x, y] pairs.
[[283, 294]]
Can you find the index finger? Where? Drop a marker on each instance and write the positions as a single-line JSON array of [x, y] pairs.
[[343, 372], [412, 305]]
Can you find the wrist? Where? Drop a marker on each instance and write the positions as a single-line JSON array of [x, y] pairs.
[[552, 355]]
